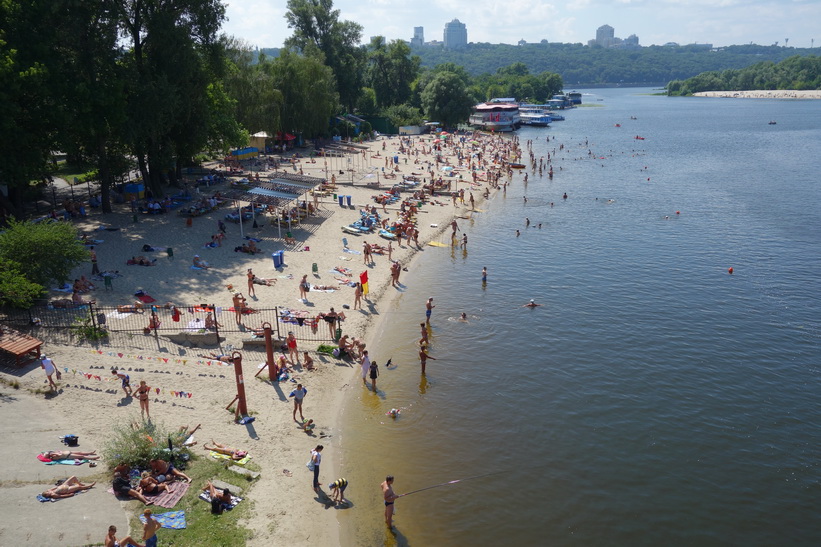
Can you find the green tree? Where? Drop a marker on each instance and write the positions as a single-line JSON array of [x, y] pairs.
[[403, 114], [317, 27], [446, 99], [43, 251], [391, 71], [15, 290]]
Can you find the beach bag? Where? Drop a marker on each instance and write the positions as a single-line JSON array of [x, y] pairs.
[[216, 506], [71, 440], [310, 465]]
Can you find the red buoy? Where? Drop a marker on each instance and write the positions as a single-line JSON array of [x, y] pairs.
[[730, 271], [678, 212]]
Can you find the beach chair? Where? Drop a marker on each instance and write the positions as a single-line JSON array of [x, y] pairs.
[[289, 238]]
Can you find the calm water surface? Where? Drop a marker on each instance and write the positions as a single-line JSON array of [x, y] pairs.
[[654, 399]]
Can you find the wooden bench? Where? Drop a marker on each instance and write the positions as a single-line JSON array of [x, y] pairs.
[[22, 346]]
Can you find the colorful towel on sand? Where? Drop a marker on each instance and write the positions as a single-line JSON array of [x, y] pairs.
[[314, 289], [175, 520], [145, 298], [206, 496], [246, 311], [66, 462], [218, 456], [169, 499]]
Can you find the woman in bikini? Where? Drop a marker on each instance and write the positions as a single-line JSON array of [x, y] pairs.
[[71, 486], [220, 448], [142, 395], [210, 322], [55, 455], [164, 471], [251, 277], [149, 485]]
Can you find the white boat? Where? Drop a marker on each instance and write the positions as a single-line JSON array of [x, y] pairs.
[[537, 115], [496, 117]]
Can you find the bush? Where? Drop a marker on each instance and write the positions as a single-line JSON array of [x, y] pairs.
[[137, 443]]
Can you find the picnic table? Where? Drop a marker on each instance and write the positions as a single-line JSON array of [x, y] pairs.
[[20, 345]]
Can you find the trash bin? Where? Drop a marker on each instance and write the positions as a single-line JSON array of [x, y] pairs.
[[170, 252], [341, 200], [348, 199], [277, 259]]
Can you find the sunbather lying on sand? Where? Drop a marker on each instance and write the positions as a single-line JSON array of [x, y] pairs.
[[55, 455], [66, 490], [219, 448]]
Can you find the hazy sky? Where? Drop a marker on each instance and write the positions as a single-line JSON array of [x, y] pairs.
[[719, 22]]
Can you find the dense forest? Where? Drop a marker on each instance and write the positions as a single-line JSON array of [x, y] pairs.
[[580, 65], [794, 73]]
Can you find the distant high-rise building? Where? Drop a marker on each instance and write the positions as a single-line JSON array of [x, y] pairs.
[[605, 35], [456, 34], [418, 36], [631, 41]]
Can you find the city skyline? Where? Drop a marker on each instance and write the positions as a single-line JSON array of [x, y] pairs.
[[262, 23]]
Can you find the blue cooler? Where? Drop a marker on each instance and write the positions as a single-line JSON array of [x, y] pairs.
[[341, 200]]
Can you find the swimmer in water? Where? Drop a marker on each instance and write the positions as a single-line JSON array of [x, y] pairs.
[[531, 304], [463, 317]]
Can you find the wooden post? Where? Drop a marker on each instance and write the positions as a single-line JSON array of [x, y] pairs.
[[269, 352], [242, 408]]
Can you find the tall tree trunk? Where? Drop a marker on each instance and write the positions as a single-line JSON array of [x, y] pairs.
[[105, 176]]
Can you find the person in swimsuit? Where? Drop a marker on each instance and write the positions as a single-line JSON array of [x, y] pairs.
[[126, 381], [142, 395], [429, 309], [220, 448], [374, 373], [390, 497], [531, 304], [299, 395], [149, 485], [112, 541], [423, 357], [220, 499], [56, 455], [166, 470], [251, 276], [150, 529], [71, 486], [122, 487], [307, 361], [292, 349]]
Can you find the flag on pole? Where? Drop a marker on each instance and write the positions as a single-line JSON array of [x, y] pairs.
[[363, 278]]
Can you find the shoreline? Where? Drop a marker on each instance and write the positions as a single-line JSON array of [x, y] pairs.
[[763, 94], [274, 441]]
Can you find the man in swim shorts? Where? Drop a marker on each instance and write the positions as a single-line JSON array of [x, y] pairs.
[[150, 529], [112, 541], [390, 497], [429, 309], [126, 381]]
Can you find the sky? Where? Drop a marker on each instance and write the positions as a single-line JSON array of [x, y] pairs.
[[262, 23]]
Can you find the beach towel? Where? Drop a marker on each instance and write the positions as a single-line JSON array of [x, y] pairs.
[[42, 498], [206, 496], [174, 520], [164, 499], [218, 456], [118, 315], [145, 298], [64, 288], [43, 458], [66, 462], [195, 268], [246, 311], [314, 289], [352, 251]]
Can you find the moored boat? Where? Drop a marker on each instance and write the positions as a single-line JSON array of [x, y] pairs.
[[496, 116]]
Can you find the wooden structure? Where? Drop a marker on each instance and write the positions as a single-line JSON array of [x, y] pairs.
[[25, 348]]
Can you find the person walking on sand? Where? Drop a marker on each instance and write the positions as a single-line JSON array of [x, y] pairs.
[[429, 309], [390, 497], [95, 270], [48, 365], [374, 373], [150, 529], [143, 392], [316, 459], [357, 297], [250, 275], [126, 381], [299, 395], [423, 357], [293, 352], [365, 363], [304, 287]]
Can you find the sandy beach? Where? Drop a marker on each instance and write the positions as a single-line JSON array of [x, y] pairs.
[[763, 94], [196, 389]]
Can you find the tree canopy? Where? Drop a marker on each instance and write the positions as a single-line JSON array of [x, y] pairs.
[[43, 252], [794, 73]]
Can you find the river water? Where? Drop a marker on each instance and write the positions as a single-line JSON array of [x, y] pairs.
[[654, 398]]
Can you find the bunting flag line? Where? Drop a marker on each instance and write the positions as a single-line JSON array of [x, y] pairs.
[[157, 390], [166, 360]]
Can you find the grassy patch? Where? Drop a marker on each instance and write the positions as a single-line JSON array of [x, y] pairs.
[[205, 528], [69, 172]]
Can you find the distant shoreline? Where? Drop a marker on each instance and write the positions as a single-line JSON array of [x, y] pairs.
[[763, 94]]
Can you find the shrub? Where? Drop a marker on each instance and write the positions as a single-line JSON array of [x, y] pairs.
[[137, 443]]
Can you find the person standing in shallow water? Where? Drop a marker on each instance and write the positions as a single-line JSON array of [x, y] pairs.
[[429, 309], [390, 497]]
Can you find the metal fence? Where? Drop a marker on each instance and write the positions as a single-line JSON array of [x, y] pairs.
[[307, 327]]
